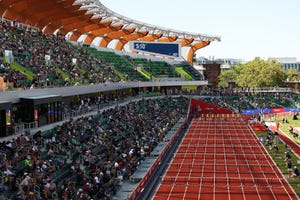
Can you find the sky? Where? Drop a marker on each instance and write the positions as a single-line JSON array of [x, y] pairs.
[[248, 28]]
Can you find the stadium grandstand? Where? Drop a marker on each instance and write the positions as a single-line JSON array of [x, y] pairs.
[[94, 105], [89, 24]]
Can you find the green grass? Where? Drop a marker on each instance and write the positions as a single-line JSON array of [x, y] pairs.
[[30, 75], [279, 159], [285, 126], [183, 73]]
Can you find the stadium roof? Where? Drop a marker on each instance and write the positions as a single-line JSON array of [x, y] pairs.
[[92, 23]]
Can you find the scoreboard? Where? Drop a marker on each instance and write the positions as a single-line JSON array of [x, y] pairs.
[[165, 49]]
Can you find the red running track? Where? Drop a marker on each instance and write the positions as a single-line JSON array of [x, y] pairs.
[[221, 158]]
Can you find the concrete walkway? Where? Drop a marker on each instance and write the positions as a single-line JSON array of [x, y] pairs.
[[128, 186]]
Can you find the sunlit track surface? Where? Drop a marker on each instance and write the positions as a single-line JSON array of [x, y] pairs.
[[221, 158]]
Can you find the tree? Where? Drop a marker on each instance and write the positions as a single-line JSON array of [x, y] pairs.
[[229, 75], [293, 75], [261, 73], [256, 73]]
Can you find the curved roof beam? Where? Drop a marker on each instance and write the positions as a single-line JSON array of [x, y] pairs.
[[46, 10], [54, 16], [66, 24], [74, 24], [27, 13], [56, 13], [168, 39], [86, 30], [15, 8], [57, 22], [180, 34], [114, 35], [6, 4], [128, 38], [151, 37], [186, 42], [194, 48], [100, 32]]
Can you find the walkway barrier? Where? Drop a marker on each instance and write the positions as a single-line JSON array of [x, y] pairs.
[[142, 183], [22, 128], [31, 125], [18, 129]]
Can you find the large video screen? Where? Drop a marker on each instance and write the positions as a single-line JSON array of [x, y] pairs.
[[166, 49]]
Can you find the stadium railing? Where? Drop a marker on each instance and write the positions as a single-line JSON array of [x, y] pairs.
[[140, 186], [22, 128]]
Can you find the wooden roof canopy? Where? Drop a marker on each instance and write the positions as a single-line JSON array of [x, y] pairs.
[[89, 19]]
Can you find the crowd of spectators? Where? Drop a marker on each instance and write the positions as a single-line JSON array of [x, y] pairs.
[[258, 100], [85, 158], [242, 100], [30, 48], [10, 75], [272, 99]]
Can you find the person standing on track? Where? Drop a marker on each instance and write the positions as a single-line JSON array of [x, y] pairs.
[[290, 168], [296, 172], [277, 125]]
